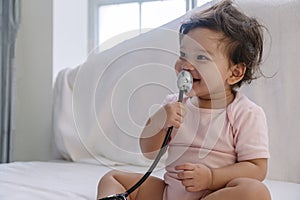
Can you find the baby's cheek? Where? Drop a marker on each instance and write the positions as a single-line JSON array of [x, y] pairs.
[[178, 66]]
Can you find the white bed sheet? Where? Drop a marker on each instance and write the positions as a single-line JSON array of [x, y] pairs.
[[55, 180], [62, 180]]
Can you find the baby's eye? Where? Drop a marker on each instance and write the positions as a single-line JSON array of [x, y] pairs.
[[202, 57], [182, 54]]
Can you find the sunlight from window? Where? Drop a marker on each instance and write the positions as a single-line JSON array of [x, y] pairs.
[[201, 2], [117, 19], [118, 22], [157, 13]]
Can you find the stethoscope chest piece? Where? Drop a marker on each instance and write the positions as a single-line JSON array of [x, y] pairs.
[[184, 81]]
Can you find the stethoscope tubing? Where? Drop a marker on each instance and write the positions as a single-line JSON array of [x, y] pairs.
[[184, 83], [161, 152]]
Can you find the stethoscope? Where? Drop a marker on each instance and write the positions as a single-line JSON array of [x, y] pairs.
[[184, 84]]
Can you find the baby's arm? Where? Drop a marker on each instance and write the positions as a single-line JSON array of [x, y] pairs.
[[171, 114], [256, 169], [197, 177]]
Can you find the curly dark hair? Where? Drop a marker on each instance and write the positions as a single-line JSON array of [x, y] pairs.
[[243, 35]]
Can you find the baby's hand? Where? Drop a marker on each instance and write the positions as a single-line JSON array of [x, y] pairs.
[[195, 177], [175, 114]]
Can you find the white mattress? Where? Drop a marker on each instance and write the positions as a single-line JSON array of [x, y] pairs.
[[61, 180]]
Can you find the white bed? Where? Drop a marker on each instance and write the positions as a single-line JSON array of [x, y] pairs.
[[96, 123], [61, 180]]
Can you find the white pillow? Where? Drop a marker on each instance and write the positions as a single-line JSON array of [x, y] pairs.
[[100, 107]]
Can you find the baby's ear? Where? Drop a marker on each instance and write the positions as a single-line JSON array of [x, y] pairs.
[[237, 73]]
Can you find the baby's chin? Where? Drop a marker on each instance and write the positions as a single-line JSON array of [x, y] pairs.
[[190, 94], [193, 93]]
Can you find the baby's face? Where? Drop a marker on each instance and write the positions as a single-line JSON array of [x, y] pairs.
[[201, 53]]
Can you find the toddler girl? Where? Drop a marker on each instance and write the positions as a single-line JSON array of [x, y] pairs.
[[219, 145]]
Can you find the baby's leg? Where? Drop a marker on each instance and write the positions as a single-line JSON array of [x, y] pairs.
[[115, 182], [241, 188]]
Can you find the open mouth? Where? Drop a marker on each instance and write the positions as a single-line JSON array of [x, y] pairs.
[[196, 80]]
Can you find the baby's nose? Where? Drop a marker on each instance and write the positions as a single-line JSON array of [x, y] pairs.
[[188, 66]]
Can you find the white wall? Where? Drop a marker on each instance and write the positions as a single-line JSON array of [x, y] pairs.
[[52, 35], [34, 81], [69, 33]]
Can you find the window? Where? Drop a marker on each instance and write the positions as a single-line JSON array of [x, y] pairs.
[[112, 21]]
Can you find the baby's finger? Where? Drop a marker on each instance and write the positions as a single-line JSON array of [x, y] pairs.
[[182, 110], [186, 166], [185, 175]]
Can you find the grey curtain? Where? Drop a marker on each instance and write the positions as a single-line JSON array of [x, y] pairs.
[[9, 11]]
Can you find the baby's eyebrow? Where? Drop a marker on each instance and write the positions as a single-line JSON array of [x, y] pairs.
[[203, 51], [182, 49], [210, 53]]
